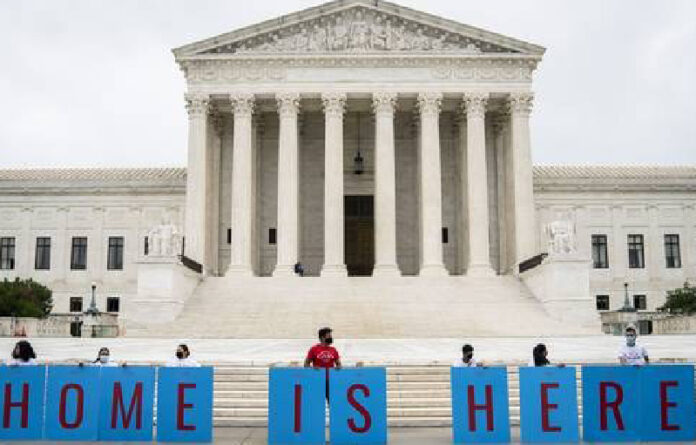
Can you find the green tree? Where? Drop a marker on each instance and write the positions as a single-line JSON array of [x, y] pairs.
[[24, 298], [681, 301]]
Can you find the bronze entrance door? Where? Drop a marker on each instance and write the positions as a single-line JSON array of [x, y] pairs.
[[359, 234]]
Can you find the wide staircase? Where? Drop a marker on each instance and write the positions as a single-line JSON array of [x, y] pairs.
[[362, 307], [417, 396]]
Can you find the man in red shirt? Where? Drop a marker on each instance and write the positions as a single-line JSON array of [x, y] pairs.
[[323, 355]]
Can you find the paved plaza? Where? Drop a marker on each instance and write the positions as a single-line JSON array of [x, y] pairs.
[[517, 350]]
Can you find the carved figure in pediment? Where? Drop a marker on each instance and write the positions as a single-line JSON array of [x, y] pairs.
[[359, 33], [420, 41], [317, 41], [399, 39], [339, 37], [302, 40], [380, 34]]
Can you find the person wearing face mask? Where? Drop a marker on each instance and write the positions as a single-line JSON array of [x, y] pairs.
[[183, 358], [104, 358], [23, 354], [631, 353], [468, 360], [323, 355]]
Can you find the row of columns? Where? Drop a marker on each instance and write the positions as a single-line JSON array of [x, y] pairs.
[[430, 190]]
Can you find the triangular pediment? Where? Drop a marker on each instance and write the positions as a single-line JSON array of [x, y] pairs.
[[357, 27]]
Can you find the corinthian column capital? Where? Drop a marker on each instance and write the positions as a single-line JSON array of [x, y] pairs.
[[475, 104], [334, 103], [242, 104], [521, 103], [384, 102], [288, 104], [197, 104], [429, 103]]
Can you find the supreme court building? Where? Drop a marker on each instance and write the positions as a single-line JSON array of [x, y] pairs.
[[385, 150]]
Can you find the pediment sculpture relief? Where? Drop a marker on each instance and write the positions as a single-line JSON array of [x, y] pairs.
[[355, 31]]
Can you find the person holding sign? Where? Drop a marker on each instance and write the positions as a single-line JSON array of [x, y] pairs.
[[468, 360], [323, 355], [182, 358], [539, 354], [630, 353], [104, 358], [22, 355]]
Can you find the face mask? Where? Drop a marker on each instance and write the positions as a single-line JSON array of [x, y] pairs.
[[328, 341], [468, 357], [631, 340], [179, 354], [104, 359]]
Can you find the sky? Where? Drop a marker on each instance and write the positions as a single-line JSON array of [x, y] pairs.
[[93, 83]]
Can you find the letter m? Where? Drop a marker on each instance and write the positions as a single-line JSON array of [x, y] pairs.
[[136, 403]]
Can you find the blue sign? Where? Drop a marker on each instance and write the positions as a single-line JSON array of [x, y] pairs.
[[480, 410], [548, 404], [126, 403], [72, 403], [611, 400], [667, 403], [22, 401], [185, 404], [358, 406], [296, 406]]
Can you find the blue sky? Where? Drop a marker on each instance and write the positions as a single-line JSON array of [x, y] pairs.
[[93, 82]]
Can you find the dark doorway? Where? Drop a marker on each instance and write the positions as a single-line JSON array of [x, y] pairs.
[[359, 234]]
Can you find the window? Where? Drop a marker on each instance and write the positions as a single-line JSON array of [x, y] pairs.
[[114, 259], [146, 246], [78, 257], [445, 235], [672, 254], [7, 253], [113, 304], [600, 258], [271, 235], [229, 236], [640, 302], [635, 252], [602, 302], [42, 258], [75, 304]]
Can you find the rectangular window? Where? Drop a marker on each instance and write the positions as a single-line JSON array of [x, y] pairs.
[[672, 253], [7, 253], [445, 235], [113, 304], [640, 302], [600, 257], [75, 304], [271, 235], [229, 236], [602, 302], [42, 257], [146, 246], [636, 258], [114, 259], [78, 255]]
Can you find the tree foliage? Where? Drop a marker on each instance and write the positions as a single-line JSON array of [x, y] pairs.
[[24, 298], [681, 301]]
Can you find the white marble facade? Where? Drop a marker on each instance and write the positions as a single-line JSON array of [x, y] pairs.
[[439, 112]]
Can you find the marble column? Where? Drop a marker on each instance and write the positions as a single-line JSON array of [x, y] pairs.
[[520, 105], [242, 186], [217, 125], [288, 185], [383, 105], [430, 186], [499, 129], [477, 185], [196, 177], [334, 260]]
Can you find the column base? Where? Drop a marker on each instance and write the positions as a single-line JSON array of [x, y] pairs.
[[334, 270], [433, 270], [284, 271], [239, 271], [480, 271], [386, 270]]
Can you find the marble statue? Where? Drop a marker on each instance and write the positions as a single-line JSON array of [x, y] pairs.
[[562, 238], [164, 240]]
